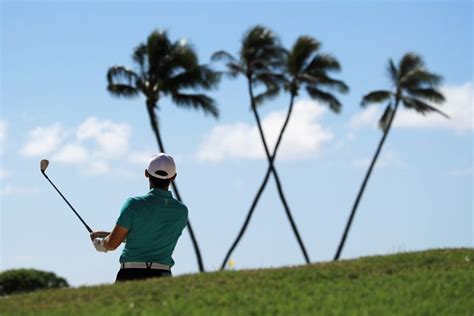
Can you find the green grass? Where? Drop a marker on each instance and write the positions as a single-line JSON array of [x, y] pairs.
[[435, 282]]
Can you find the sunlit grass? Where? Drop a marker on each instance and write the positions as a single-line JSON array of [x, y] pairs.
[[436, 282]]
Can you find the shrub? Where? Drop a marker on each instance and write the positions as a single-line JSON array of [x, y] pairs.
[[29, 280]]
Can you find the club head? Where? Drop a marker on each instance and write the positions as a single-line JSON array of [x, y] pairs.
[[44, 165]]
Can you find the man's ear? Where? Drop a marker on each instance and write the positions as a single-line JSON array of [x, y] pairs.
[[174, 177], [146, 173]]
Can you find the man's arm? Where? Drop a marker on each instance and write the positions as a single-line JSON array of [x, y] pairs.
[[111, 240], [115, 238]]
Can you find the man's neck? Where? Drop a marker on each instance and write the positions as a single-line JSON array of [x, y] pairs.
[[164, 189]]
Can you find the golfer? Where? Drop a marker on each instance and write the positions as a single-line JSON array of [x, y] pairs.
[[150, 225]]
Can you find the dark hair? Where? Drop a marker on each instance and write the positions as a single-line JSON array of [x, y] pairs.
[[159, 183]]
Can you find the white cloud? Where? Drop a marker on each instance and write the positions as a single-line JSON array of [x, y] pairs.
[[4, 173], [92, 145], [461, 172], [3, 135], [140, 157], [386, 158], [458, 105], [303, 138], [112, 138], [233, 140], [96, 168], [9, 190], [366, 117], [71, 153], [43, 140]]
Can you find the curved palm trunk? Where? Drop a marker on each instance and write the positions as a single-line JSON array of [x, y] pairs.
[[261, 188], [150, 104], [364, 183], [269, 170], [278, 183]]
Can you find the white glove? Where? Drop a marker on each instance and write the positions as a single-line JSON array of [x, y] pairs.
[[99, 245]]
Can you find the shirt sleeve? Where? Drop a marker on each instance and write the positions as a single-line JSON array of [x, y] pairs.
[[184, 219], [126, 214]]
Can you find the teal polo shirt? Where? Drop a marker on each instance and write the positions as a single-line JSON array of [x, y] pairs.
[[154, 222]]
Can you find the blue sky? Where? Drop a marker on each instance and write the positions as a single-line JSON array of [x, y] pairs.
[[54, 104]]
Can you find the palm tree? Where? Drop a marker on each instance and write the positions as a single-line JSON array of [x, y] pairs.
[[414, 86], [165, 68], [260, 58]]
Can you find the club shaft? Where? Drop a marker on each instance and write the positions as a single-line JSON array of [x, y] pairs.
[[72, 208]]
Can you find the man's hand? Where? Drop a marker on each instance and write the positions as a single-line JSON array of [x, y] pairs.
[[105, 241], [99, 245], [99, 234]]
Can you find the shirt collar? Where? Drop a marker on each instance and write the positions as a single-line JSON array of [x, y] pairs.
[[161, 192]]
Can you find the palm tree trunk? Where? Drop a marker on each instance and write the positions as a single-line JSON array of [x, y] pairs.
[[364, 183], [247, 220], [278, 183], [150, 104], [262, 187]]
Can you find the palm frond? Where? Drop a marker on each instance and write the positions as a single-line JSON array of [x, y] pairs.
[[272, 82], [196, 101], [325, 81], [260, 64], [420, 106], [140, 57], [386, 117], [222, 55], [181, 56], [267, 59], [198, 77], [269, 78], [419, 78], [122, 81], [158, 47], [325, 98], [429, 94], [375, 97], [234, 69], [256, 38], [122, 90], [409, 62], [260, 44], [140, 54], [392, 72], [121, 74], [300, 54], [270, 93], [322, 63]]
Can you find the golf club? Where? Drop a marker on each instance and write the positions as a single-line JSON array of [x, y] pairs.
[[43, 166]]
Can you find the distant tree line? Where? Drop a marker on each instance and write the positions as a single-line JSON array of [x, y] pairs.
[[29, 280], [163, 68]]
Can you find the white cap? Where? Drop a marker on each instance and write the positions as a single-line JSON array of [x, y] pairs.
[[161, 166]]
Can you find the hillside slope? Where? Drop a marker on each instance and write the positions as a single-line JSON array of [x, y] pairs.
[[435, 282]]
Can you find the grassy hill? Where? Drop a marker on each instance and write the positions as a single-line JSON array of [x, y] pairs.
[[435, 282]]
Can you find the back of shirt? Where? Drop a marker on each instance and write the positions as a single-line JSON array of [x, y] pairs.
[[154, 222]]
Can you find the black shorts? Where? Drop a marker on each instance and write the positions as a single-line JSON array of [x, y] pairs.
[[140, 274]]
